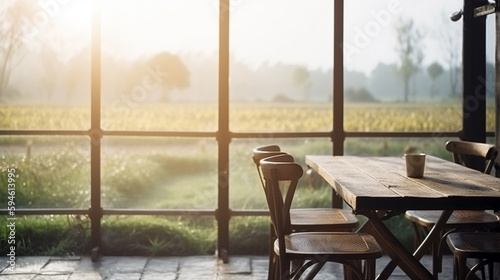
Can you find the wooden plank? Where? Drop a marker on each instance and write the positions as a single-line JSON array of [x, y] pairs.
[[442, 178], [468, 188], [390, 171], [355, 186], [456, 180], [465, 188], [368, 183], [485, 182]]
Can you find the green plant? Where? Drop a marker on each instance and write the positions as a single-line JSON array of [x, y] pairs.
[[157, 236], [155, 246], [249, 235], [48, 235]]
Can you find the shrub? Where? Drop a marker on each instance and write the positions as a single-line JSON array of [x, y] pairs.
[[156, 236]]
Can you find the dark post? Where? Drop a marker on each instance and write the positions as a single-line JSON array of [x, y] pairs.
[[497, 85], [223, 137], [338, 78], [338, 87], [95, 134], [474, 76]]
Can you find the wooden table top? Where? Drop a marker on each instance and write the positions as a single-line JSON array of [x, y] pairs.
[[380, 183]]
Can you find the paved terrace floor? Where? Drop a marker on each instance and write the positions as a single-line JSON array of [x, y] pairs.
[[167, 268]]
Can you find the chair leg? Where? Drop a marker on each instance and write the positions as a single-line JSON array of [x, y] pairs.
[[460, 268], [435, 258], [359, 270], [314, 270], [273, 267], [369, 270], [348, 273], [273, 262], [478, 266], [270, 268], [416, 236], [490, 270], [439, 251]]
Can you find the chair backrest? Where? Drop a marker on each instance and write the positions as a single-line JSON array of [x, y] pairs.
[[281, 178], [272, 157], [462, 152], [262, 152]]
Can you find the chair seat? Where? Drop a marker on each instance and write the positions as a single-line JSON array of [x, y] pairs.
[[459, 218], [322, 219], [479, 245], [484, 247], [344, 245]]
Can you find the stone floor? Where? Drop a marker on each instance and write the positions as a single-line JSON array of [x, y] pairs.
[[165, 268]]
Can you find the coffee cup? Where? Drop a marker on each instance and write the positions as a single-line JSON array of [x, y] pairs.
[[415, 164]]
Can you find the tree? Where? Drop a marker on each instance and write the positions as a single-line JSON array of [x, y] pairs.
[[383, 80], [360, 95], [169, 72], [12, 37], [410, 53], [51, 50], [76, 78], [450, 38], [434, 70]]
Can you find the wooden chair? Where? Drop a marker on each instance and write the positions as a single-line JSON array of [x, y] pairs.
[[306, 249], [483, 246], [460, 220], [303, 219], [309, 219]]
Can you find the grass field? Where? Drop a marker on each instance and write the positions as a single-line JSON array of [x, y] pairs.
[[245, 117], [182, 172]]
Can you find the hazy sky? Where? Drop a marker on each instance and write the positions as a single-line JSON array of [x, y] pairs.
[[269, 31]]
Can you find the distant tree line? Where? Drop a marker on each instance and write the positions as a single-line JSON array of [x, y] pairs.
[[167, 77]]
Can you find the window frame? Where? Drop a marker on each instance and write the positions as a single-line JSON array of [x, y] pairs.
[[223, 136]]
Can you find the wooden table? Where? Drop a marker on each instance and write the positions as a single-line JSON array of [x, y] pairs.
[[377, 186]]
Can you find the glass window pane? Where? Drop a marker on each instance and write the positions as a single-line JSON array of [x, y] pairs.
[[281, 64], [402, 66], [158, 173], [396, 146], [281, 117], [246, 235], [45, 65], [50, 235], [403, 117], [158, 236], [159, 65], [50, 172], [246, 189], [491, 76]]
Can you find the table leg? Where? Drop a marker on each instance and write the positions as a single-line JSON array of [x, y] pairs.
[[409, 263]]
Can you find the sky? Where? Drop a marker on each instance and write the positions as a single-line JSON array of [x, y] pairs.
[[266, 31]]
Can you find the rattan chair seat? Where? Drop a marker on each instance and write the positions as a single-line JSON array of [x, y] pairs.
[[461, 218], [483, 246], [322, 219], [342, 244], [475, 244]]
